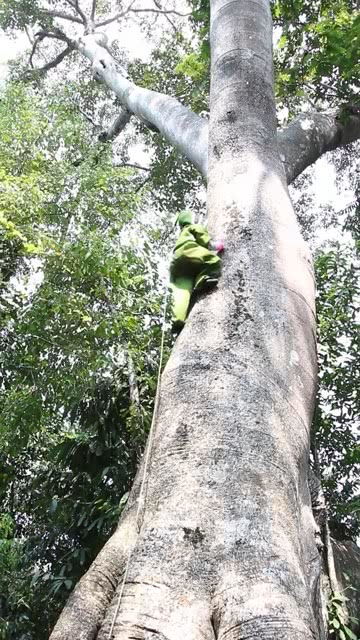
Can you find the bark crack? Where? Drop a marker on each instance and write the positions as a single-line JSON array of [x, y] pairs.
[[302, 298], [150, 630]]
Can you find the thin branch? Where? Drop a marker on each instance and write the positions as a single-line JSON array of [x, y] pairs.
[[143, 184], [56, 34], [163, 12], [148, 10], [158, 5], [117, 126], [75, 5], [52, 344], [88, 118], [132, 166], [116, 17], [63, 16], [38, 39], [29, 36], [56, 61], [93, 11]]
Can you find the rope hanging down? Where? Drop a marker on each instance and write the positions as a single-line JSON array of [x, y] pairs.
[[195, 247], [142, 494]]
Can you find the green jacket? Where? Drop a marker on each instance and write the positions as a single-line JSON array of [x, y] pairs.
[[193, 233]]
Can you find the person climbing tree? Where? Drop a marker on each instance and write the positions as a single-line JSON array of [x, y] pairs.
[[194, 266]]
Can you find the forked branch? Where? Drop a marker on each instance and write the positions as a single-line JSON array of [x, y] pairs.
[[115, 17], [300, 144], [75, 5], [158, 5], [56, 34]]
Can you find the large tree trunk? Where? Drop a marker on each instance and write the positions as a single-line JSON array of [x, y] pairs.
[[227, 546], [268, 330]]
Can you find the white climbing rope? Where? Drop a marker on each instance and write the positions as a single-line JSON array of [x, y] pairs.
[[142, 494]]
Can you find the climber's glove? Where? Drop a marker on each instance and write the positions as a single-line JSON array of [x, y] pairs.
[[218, 246]]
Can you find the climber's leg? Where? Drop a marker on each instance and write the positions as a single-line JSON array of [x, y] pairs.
[[182, 287], [210, 272]]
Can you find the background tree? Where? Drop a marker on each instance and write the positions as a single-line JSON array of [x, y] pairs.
[[79, 344]]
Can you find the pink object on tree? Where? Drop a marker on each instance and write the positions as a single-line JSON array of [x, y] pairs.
[[219, 246]]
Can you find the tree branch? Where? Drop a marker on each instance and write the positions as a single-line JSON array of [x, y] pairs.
[[86, 116], [55, 62], [56, 34], [162, 11], [117, 126], [132, 166], [38, 39], [75, 5], [158, 5], [115, 17], [29, 35], [121, 14], [311, 135], [300, 144], [93, 10], [62, 16], [143, 183], [180, 127]]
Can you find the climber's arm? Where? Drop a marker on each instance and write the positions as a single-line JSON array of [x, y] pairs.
[[200, 235]]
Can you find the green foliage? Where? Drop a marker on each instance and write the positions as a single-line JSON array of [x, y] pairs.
[[317, 55], [80, 328], [336, 421], [18, 13], [201, 22], [338, 629], [192, 66], [188, 82], [14, 587]]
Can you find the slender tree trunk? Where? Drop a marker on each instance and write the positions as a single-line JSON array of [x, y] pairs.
[[227, 544]]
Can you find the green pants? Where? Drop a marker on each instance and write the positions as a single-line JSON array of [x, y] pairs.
[[191, 266]]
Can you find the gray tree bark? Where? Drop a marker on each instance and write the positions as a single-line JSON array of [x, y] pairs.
[[227, 544], [180, 126], [116, 127], [269, 330], [311, 135], [347, 564]]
